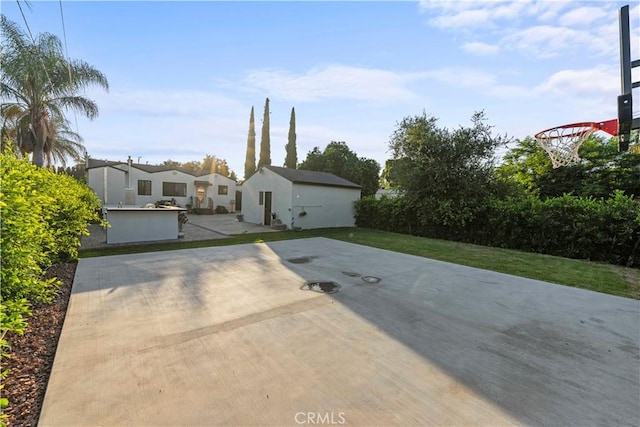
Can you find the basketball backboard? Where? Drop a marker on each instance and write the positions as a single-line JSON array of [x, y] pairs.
[[626, 120], [563, 142]]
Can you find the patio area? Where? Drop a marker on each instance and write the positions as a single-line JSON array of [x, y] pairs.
[[199, 227]]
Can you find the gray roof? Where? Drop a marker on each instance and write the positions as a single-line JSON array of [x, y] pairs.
[[97, 163], [300, 176]]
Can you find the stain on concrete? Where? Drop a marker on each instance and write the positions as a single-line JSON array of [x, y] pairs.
[[322, 287], [351, 274]]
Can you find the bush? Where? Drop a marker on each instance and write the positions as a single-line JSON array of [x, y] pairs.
[[575, 227], [221, 210], [43, 215]]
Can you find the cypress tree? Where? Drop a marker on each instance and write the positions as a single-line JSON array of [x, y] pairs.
[[250, 158], [265, 141], [291, 161]]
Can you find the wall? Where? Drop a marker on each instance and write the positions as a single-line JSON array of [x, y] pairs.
[[266, 180], [118, 177], [115, 184], [212, 191], [157, 178], [141, 225], [325, 206]]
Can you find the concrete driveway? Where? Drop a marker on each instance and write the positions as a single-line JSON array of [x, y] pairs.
[[225, 336]]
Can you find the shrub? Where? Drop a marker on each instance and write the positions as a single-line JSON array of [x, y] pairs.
[[575, 227], [42, 216], [221, 210]]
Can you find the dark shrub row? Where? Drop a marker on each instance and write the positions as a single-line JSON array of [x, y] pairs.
[[576, 227]]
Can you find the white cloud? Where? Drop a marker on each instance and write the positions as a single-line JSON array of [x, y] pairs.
[[580, 83], [583, 16], [480, 48], [536, 28], [477, 81], [167, 102], [582, 95], [333, 81], [478, 18], [545, 41], [485, 13]]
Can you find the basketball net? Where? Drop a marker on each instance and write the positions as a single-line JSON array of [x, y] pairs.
[[563, 142]]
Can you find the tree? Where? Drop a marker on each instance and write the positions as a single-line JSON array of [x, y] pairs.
[[265, 140], [250, 158], [68, 144], [193, 166], [213, 164], [601, 171], [389, 179], [524, 164], [291, 161], [339, 160], [445, 174], [209, 164], [171, 164], [39, 81]]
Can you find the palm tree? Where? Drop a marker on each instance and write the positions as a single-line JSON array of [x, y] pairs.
[[37, 86], [67, 144]]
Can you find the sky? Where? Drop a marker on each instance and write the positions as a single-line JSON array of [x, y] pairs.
[[183, 76]]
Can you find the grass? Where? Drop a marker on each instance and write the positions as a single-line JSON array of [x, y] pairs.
[[597, 277]]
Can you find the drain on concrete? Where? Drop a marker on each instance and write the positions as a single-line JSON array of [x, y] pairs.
[[351, 274], [301, 260], [322, 287], [371, 279]]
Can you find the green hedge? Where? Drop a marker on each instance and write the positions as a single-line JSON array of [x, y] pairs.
[[575, 227], [42, 216]]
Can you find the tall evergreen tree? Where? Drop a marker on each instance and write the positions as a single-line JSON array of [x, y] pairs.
[[250, 158], [291, 161], [265, 141]]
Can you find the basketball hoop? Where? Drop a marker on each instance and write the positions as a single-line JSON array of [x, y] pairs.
[[563, 142]]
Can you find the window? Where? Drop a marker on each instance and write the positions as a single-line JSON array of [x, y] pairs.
[[176, 189], [223, 190], [261, 198], [144, 188]]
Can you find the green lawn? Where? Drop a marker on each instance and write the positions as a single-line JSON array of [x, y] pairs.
[[598, 277]]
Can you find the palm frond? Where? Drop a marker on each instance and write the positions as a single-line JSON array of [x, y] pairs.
[[80, 104], [43, 85]]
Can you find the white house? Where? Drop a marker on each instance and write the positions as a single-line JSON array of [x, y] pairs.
[[134, 184], [299, 198]]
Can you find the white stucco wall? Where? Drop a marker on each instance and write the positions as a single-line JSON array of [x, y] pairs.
[[157, 178], [219, 199], [118, 180], [266, 180], [115, 184], [141, 225], [325, 206]]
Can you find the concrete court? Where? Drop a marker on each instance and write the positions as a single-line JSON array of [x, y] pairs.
[[225, 336]]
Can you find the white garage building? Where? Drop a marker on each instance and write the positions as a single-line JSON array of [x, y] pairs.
[[299, 198]]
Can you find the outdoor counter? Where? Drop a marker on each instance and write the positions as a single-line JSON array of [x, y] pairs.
[[133, 224]]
